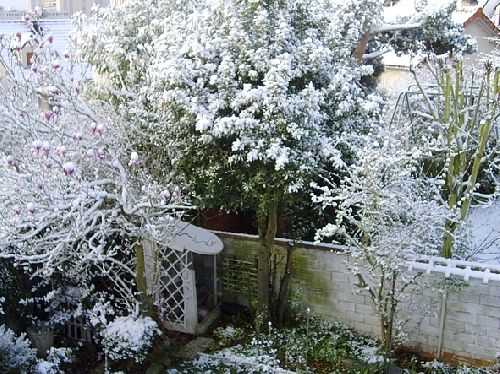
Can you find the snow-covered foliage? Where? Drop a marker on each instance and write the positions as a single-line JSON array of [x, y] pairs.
[[387, 212], [306, 344], [55, 357], [437, 31], [16, 354], [262, 87], [129, 337], [75, 197]]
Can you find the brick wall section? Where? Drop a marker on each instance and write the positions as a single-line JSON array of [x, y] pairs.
[[472, 325]]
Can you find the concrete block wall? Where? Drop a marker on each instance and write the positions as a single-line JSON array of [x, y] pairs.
[[472, 324]]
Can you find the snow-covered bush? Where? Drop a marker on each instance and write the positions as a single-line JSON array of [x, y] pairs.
[[51, 364], [129, 337], [229, 335], [16, 354]]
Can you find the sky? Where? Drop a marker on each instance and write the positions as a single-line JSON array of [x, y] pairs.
[[16, 4]]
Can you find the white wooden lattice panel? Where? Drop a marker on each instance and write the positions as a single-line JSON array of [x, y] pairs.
[[465, 269], [171, 298]]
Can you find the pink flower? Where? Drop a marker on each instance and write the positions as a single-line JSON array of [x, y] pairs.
[[166, 195], [48, 115], [61, 151], [134, 159], [78, 136], [10, 161], [55, 65], [50, 38], [46, 148], [30, 207], [48, 163], [18, 34], [177, 192], [36, 147], [101, 154], [69, 168]]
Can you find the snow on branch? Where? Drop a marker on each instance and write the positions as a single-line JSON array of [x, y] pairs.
[[75, 195]]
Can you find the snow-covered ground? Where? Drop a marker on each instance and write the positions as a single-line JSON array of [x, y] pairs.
[[483, 231]]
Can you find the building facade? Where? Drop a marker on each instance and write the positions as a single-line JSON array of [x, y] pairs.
[[67, 6]]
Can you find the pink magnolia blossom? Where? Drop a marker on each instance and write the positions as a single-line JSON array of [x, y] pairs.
[[48, 115], [177, 192], [36, 147], [90, 154], [100, 153], [166, 195], [134, 159], [61, 151], [46, 148], [30, 207], [69, 168], [10, 161]]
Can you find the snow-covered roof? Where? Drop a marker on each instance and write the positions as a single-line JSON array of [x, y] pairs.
[[185, 236], [58, 28], [489, 7], [464, 14], [408, 8]]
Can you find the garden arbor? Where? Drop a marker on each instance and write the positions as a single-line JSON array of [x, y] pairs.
[[180, 274]]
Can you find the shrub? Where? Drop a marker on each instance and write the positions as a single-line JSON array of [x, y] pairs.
[[129, 337], [16, 354]]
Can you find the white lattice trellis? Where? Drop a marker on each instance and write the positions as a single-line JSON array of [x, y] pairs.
[[170, 279]]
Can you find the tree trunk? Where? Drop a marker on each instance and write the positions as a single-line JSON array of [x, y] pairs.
[[147, 305], [285, 286], [267, 220], [360, 49]]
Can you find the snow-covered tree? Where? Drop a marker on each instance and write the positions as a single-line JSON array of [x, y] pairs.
[[387, 213], [247, 97], [458, 118], [413, 27], [244, 99], [75, 197]]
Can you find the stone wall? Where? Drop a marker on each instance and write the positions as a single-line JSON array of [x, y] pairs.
[[472, 322]]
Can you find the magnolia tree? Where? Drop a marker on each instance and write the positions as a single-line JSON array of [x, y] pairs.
[[75, 197], [388, 215]]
